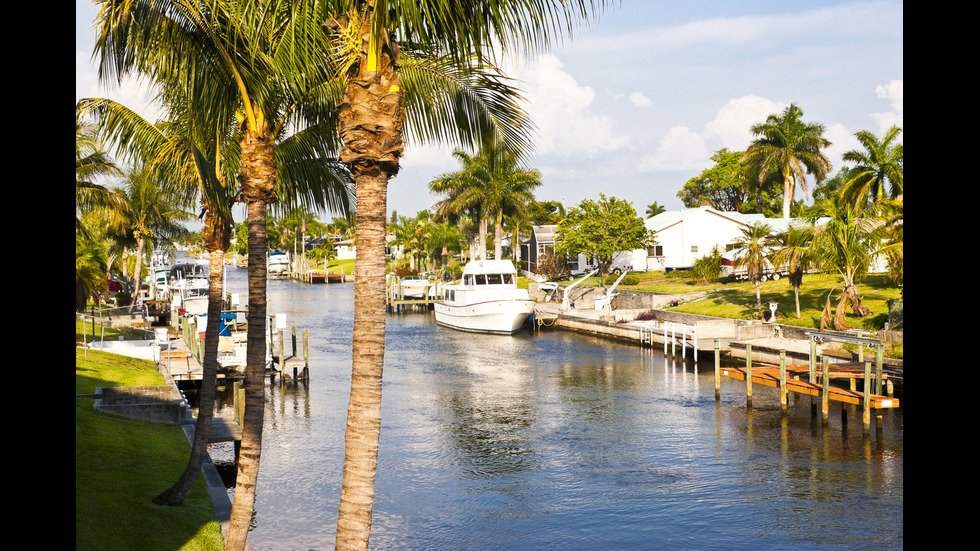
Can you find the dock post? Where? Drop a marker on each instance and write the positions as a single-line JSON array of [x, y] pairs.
[[825, 395], [282, 359], [748, 374], [717, 369], [673, 339], [306, 355], [782, 380], [813, 356], [866, 414], [684, 341], [879, 354], [664, 325], [294, 340]]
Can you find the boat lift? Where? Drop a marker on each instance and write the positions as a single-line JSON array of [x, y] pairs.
[[607, 301], [567, 290]]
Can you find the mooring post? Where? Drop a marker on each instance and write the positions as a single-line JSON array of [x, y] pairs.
[[813, 356], [879, 354], [825, 395], [306, 354], [717, 369], [782, 379], [294, 340], [684, 341], [866, 414], [748, 374]]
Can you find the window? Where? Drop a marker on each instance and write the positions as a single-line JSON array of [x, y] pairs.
[[656, 250], [694, 248]]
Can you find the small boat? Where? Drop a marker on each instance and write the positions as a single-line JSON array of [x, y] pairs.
[[278, 263], [487, 300], [189, 288], [416, 286]]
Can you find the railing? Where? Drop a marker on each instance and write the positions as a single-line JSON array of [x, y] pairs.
[[672, 332]]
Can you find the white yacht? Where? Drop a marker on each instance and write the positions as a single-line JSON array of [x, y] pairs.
[[278, 263], [189, 288], [487, 300]]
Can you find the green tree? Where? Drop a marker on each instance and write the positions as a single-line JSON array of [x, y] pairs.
[[751, 252], [91, 162], [786, 145], [493, 184], [149, 209], [708, 267], [846, 244], [654, 209], [447, 92], [601, 230], [259, 68], [724, 186], [878, 172], [792, 250]]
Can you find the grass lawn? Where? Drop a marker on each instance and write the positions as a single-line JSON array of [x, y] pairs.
[[121, 464]]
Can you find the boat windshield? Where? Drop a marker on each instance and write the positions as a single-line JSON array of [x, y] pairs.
[[489, 279]]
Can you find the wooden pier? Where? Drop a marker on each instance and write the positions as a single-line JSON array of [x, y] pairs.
[[396, 300], [817, 384]]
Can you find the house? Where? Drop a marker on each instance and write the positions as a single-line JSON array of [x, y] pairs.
[[540, 243], [684, 236], [345, 249]]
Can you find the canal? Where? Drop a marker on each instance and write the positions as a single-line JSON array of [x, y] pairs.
[[558, 441]]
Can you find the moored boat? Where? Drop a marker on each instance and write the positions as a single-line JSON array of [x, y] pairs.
[[416, 286], [487, 300], [278, 263], [189, 288]]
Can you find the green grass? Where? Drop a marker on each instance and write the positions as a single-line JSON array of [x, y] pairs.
[[121, 464]]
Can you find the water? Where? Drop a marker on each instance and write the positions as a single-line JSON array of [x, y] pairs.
[[557, 441]]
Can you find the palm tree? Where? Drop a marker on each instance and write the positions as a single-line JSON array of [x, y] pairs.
[[385, 86], [190, 170], [654, 209], [492, 183], [786, 145], [91, 162], [847, 245], [260, 65], [752, 250], [149, 209], [881, 161], [794, 252]]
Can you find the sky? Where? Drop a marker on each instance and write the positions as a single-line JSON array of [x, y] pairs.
[[636, 105]]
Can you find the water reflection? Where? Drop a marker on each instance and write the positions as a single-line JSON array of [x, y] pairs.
[[563, 441]]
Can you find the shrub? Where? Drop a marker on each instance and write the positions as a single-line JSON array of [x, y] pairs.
[[630, 279]]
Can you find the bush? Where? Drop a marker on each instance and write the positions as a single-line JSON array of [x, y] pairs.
[[553, 267], [123, 298]]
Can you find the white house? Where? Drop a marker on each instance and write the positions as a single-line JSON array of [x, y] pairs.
[[684, 236]]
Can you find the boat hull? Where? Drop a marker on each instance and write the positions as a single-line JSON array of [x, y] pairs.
[[498, 316]]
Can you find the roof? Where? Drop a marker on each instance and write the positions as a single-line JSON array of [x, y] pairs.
[[544, 234], [667, 219]]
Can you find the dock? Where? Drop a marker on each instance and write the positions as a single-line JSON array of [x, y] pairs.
[[395, 299], [762, 347]]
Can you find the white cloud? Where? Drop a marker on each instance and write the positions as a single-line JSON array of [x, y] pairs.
[[894, 92], [561, 110], [680, 149], [639, 100], [730, 127]]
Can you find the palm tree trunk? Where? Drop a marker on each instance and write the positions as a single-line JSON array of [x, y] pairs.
[[258, 176], [140, 243], [364, 411], [371, 116], [205, 413], [498, 237]]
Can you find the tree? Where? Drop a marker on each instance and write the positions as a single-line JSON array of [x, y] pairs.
[[259, 68], [654, 209], [601, 230], [845, 244], [724, 186], [91, 162], [751, 250], [385, 86], [793, 251], [149, 209], [880, 163], [173, 153], [786, 145], [491, 183]]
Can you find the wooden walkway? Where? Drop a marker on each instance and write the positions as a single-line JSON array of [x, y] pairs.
[[770, 376]]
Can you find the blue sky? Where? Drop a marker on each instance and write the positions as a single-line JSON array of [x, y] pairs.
[[635, 106]]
